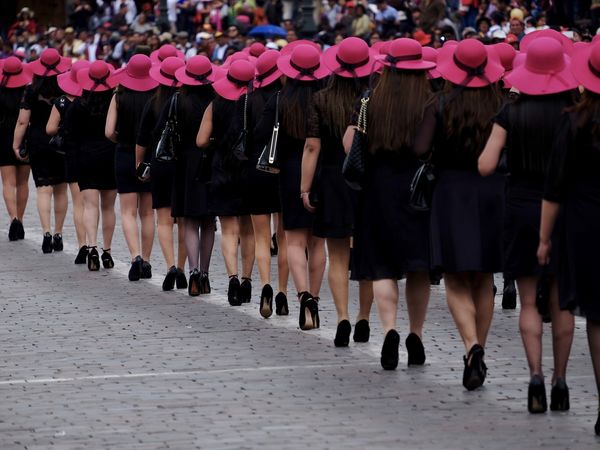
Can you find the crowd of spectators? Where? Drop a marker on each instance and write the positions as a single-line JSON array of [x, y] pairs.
[[115, 30]]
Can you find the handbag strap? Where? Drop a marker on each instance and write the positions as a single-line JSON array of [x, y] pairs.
[[173, 108], [245, 113], [362, 114], [277, 108]]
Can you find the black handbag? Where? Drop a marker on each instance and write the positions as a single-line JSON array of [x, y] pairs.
[[542, 296], [239, 147], [268, 160], [421, 187], [354, 166], [169, 138]]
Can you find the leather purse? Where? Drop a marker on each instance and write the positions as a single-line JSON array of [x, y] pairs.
[[169, 138], [421, 187], [268, 160], [239, 147], [354, 166]]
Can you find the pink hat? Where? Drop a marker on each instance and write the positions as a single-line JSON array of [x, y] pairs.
[[256, 49], [15, 74], [292, 45], [545, 71], [165, 72], [351, 58], [50, 63], [596, 38], [566, 43], [303, 64], [68, 81], [167, 50], [506, 53], [470, 64], [267, 71], [450, 43], [405, 54], [245, 56], [198, 71], [381, 47], [98, 77], [236, 82], [136, 74], [431, 54], [586, 67], [577, 46]]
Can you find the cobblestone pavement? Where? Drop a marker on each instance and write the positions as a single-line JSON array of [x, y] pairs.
[[93, 361]]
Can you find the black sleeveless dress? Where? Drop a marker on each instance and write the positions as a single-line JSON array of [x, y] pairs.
[[10, 99], [62, 105]]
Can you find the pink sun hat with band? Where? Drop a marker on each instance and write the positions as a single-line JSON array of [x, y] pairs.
[[431, 54], [351, 58], [164, 52], [164, 72], [405, 54], [98, 77], [292, 45], [567, 44], [236, 81], [198, 71], [303, 64], [68, 81], [236, 57], [545, 70], [14, 73], [50, 63], [380, 47], [267, 71], [136, 74], [255, 49], [507, 55], [470, 64], [586, 67]]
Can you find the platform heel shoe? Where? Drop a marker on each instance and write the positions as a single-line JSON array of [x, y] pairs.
[[12, 230], [204, 283], [135, 271], [81, 257], [246, 290], [170, 277], [233, 292], [342, 334], [266, 301], [181, 281], [194, 285], [389, 350], [509, 294], [107, 261], [362, 331], [93, 259], [47, 243], [281, 305], [559, 396], [415, 349], [475, 369], [309, 312], [536, 396], [57, 242]]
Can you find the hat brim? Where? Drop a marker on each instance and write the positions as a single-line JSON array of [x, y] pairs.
[[37, 68], [493, 70], [532, 83], [144, 84], [567, 44], [268, 80], [87, 84], [420, 64], [581, 70], [330, 59], [284, 65], [287, 49], [67, 85], [16, 81], [229, 90], [156, 60], [157, 76], [433, 74], [183, 78]]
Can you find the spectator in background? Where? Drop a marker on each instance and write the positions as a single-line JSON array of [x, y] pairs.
[[127, 8], [386, 19], [79, 14], [141, 24], [24, 23], [361, 25], [219, 52], [274, 11]]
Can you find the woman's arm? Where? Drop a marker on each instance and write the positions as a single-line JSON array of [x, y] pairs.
[[53, 122], [348, 138], [110, 129], [549, 214], [488, 160], [20, 130], [206, 128], [310, 158]]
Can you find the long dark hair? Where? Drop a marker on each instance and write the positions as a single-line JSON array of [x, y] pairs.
[[161, 97], [468, 114], [294, 105], [588, 113], [130, 106], [46, 87], [190, 94], [396, 109], [96, 103], [337, 100]]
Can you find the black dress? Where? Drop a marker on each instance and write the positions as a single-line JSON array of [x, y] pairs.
[[467, 211], [530, 123], [85, 124], [10, 100], [573, 180], [62, 105], [130, 105], [47, 165]]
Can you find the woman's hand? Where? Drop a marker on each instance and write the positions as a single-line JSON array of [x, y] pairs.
[[306, 201], [543, 252]]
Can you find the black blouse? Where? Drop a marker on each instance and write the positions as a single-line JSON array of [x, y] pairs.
[[40, 108], [86, 118]]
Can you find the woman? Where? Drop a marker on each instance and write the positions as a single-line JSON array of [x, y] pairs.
[[573, 182], [55, 127], [190, 192], [303, 69], [15, 173], [84, 123], [527, 127], [136, 87], [225, 122], [162, 172], [47, 165], [467, 209], [351, 64]]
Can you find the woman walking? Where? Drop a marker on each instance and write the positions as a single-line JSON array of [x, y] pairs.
[[14, 172], [527, 128]]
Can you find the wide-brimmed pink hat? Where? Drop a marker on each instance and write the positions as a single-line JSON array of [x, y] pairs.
[[164, 52], [567, 44], [380, 47], [198, 71], [545, 70], [255, 49], [98, 77], [585, 66], [405, 54], [136, 74], [50, 63], [507, 55], [237, 80], [164, 72], [351, 58], [303, 64], [68, 81], [470, 64], [237, 56], [267, 71], [289, 48], [14, 73], [431, 54]]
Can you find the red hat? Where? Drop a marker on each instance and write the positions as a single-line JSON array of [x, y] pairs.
[[50, 63], [545, 71], [586, 67], [405, 54], [164, 52], [422, 38], [267, 71], [15, 74], [198, 71], [292, 45], [98, 77], [235, 84], [136, 74], [303, 64], [566, 43], [431, 54], [68, 81], [165, 72], [351, 58], [469, 63]]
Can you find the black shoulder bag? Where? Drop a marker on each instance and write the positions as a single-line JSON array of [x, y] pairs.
[[354, 166], [239, 147], [169, 138], [268, 160]]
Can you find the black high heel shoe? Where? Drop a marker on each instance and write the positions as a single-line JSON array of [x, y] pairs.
[[81, 257], [475, 369], [509, 295], [181, 281], [246, 290], [47, 243], [107, 261], [233, 293], [146, 270], [57, 242], [281, 305], [342, 334], [204, 283], [389, 350], [416, 351], [93, 259], [169, 281], [536, 395], [362, 331], [266, 301], [309, 312], [135, 272], [559, 396], [274, 246], [12, 231], [597, 426], [194, 286]]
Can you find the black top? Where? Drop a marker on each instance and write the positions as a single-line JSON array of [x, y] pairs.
[[228, 122], [257, 102], [86, 118], [10, 100], [151, 123], [130, 105], [332, 149], [40, 108], [62, 104]]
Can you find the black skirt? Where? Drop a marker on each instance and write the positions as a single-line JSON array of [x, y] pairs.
[[71, 166], [226, 189], [162, 176], [47, 166], [7, 155], [190, 192], [467, 218], [334, 217], [261, 193], [294, 214], [96, 166], [127, 181]]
